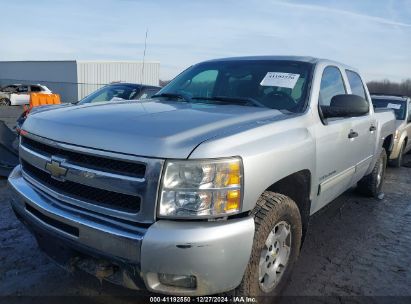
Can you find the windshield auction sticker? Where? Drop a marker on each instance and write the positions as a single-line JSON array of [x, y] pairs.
[[283, 80], [394, 106]]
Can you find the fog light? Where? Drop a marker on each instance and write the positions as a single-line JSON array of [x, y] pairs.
[[183, 281]]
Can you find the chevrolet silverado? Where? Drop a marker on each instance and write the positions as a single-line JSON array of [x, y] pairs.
[[208, 187]]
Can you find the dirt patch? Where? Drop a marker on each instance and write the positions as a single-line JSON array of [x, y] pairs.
[[359, 246]]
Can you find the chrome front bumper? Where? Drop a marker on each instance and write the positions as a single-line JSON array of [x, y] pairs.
[[216, 253]]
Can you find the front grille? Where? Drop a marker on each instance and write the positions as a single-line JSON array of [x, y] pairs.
[[88, 161], [99, 197]]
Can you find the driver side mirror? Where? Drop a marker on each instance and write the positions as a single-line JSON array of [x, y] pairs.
[[346, 105]]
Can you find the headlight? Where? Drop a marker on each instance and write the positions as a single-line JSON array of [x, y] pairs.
[[201, 188]]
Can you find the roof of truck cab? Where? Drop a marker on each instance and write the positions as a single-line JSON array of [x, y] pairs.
[[269, 57], [308, 59]]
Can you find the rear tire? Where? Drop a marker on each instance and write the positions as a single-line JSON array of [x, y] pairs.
[[371, 184], [5, 102], [397, 163], [276, 246]]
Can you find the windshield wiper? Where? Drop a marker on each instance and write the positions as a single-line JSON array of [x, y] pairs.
[[173, 95], [231, 100]]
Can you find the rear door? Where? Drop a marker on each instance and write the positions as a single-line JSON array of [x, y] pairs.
[[364, 143]]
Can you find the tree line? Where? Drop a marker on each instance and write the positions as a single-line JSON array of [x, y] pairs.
[[388, 87]]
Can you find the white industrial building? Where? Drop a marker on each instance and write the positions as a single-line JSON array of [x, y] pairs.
[[74, 79]]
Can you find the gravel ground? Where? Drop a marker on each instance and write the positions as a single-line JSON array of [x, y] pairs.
[[356, 246]]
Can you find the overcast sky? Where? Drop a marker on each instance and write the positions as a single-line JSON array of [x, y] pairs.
[[372, 35]]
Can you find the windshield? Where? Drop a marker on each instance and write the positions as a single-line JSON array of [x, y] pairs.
[[280, 85], [9, 88], [397, 105], [113, 93]]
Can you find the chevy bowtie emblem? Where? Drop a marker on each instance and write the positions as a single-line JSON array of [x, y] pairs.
[[55, 169]]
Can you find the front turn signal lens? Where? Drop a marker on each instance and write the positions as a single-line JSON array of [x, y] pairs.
[[233, 200]]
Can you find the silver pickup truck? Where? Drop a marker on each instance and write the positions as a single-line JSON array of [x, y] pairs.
[[209, 186], [401, 105]]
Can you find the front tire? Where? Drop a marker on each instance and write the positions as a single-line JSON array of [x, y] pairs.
[[276, 246], [371, 184]]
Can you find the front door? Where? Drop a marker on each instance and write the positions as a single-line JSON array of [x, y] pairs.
[[335, 165], [21, 97]]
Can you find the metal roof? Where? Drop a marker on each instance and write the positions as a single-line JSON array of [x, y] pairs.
[[270, 57]]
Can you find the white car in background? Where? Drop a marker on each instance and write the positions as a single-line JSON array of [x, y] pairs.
[[19, 94]]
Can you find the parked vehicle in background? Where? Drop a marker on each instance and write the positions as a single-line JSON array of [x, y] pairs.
[[112, 92], [208, 186], [121, 91], [401, 105], [19, 94]]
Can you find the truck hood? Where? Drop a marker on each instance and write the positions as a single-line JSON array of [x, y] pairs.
[[151, 128]]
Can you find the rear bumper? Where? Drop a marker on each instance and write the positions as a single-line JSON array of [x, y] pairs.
[[215, 253]]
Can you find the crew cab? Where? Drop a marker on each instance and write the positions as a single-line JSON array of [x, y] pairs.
[[19, 94], [401, 105], [208, 187]]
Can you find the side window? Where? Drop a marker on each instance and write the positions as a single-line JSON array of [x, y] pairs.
[[35, 89], [332, 84], [356, 84], [22, 89]]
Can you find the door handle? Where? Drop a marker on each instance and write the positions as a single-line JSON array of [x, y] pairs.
[[352, 134], [373, 128]]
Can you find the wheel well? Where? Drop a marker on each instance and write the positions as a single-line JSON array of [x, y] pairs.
[[297, 187], [387, 145]]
